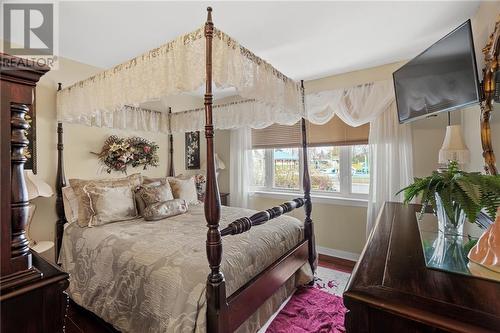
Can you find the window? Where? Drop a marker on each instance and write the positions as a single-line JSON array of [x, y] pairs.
[[339, 171], [360, 169], [324, 168], [337, 159], [286, 168], [259, 167]]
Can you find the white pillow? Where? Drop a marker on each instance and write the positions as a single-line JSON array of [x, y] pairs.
[[184, 189], [70, 203]]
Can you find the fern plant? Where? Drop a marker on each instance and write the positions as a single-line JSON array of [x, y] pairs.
[[459, 191]]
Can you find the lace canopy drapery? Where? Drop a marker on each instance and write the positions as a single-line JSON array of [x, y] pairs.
[[244, 113], [178, 67], [131, 118]]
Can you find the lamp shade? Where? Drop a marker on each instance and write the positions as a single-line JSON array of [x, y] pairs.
[[219, 164], [36, 187], [454, 148]]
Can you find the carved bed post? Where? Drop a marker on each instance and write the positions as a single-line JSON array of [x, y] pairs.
[[60, 183], [308, 224], [216, 288], [171, 170]]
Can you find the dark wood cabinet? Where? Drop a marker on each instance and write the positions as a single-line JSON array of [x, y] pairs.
[[32, 297], [39, 306], [391, 289]]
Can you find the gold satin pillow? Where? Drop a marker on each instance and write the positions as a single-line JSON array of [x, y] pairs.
[[152, 193], [161, 210], [84, 208]]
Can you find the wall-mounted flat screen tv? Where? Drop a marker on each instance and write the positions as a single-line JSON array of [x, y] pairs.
[[442, 78]]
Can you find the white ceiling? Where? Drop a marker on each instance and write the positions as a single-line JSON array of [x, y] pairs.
[[304, 40]]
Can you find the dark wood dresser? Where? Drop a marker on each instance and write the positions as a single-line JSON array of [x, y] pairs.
[[32, 297], [391, 289]]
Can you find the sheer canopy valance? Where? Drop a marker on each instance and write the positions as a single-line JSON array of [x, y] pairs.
[[178, 67], [356, 105]]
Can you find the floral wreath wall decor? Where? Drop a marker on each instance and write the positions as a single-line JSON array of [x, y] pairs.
[[119, 153]]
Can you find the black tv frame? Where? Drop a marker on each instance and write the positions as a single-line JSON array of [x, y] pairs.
[[476, 77]]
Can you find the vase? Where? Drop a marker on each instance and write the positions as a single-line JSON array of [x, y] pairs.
[[448, 248], [451, 223]]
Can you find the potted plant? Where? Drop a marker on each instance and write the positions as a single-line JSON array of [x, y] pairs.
[[455, 195]]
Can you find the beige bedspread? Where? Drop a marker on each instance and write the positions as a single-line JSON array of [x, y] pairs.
[[150, 276]]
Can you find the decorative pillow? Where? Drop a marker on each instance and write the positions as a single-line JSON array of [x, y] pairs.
[[161, 210], [70, 203], [110, 204], [151, 194], [84, 211], [184, 189], [148, 180], [138, 200]]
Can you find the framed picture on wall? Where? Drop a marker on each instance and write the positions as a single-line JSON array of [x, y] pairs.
[[30, 151], [192, 153]]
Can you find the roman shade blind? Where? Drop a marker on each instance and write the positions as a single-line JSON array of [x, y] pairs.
[[334, 133], [277, 136]]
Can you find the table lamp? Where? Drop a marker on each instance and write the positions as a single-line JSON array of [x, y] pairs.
[[219, 165], [36, 187], [454, 148]]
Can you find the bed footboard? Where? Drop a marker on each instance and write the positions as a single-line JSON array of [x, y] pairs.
[[246, 300], [244, 224]]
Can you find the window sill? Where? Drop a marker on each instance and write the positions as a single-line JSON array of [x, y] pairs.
[[315, 198]]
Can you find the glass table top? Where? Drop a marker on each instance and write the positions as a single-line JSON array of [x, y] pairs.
[[448, 252]]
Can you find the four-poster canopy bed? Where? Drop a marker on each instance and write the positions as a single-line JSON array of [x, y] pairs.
[[225, 311]]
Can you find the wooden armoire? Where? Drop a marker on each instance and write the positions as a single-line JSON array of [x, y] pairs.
[[32, 296]]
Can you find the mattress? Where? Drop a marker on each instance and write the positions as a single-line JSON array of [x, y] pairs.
[[150, 276]]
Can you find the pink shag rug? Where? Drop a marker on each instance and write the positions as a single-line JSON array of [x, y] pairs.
[[310, 310]]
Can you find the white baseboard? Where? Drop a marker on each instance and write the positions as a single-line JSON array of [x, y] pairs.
[[338, 253]]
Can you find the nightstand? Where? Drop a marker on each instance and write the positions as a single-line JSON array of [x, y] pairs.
[[224, 199], [45, 249]]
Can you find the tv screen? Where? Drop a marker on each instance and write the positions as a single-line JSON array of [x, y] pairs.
[[442, 78]]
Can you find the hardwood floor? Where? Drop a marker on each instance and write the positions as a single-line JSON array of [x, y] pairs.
[[80, 320], [335, 263]]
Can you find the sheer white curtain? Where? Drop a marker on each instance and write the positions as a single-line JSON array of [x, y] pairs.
[[240, 166], [391, 161], [391, 156]]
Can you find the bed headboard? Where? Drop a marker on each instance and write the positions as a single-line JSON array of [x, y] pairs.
[[171, 170], [60, 183]]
